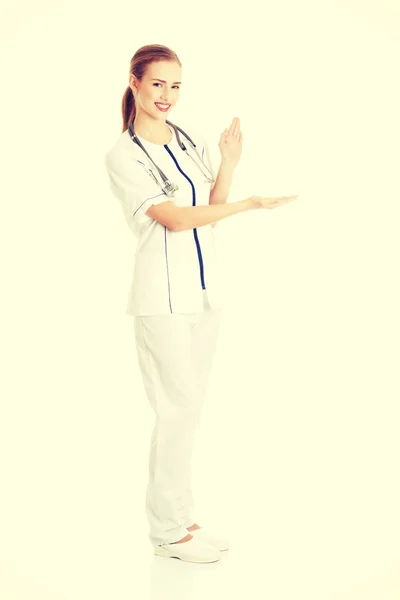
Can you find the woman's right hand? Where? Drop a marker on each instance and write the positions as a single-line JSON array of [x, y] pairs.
[[274, 202]]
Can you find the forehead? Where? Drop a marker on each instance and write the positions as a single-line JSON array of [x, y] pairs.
[[165, 69]]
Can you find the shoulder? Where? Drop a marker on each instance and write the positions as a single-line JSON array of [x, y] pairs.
[[122, 152]]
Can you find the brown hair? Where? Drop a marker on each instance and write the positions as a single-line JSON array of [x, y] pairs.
[[138, 65]]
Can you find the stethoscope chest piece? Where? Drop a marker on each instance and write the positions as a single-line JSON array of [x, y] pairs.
[[170, 188]]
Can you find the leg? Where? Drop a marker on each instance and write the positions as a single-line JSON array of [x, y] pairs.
[[163, 346], [204, 341]]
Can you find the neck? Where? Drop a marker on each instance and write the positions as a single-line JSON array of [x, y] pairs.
[[153, 130]]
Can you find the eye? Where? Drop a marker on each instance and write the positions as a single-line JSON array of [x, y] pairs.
[[175, 86]]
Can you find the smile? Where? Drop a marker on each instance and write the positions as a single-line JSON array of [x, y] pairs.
[[162, 107]]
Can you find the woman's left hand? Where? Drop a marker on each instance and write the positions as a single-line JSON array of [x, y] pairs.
[[230, 144]]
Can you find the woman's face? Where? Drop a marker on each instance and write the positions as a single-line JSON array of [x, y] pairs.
[[150, 90]]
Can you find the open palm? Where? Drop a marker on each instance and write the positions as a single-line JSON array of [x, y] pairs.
[[230, 143]]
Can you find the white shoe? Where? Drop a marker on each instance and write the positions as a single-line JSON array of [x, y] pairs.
[[205, 536], [194, 550]]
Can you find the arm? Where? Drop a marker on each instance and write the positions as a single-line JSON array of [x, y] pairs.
[[189, 217], [182, 218], [220, 191]]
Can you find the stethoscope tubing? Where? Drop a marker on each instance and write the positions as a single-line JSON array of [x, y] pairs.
[[169, 187]]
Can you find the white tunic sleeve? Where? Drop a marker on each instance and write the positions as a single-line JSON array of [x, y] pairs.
[[133, 186]]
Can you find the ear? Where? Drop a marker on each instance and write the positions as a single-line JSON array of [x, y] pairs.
[[132, 83]]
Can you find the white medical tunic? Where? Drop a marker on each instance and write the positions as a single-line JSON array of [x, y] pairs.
[[171, 269]]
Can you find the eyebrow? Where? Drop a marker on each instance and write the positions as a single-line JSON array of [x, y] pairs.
[[163, 80]]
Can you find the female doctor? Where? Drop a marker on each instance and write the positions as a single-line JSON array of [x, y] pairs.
[[172, 200]]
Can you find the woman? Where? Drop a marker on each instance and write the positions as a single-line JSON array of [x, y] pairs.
[[171, 206]]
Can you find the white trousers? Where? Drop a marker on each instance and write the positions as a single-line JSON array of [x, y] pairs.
[[175, 353]]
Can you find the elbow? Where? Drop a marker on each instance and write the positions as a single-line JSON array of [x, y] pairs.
[[177, 225], [172, 225], [175, 220]]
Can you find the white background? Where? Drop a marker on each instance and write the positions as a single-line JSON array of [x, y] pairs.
[[297, 457]]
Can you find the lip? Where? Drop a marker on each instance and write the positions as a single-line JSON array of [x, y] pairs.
[[163, 109]]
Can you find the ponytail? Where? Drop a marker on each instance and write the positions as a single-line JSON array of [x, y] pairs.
[[128, 108]]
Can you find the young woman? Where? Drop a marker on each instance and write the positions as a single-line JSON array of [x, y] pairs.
[[164, 178]]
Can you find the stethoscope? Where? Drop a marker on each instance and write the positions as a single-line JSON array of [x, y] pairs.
[[170, 188]]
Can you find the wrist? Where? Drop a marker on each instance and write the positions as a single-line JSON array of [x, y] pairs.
[[227, 167], [255, 202], [249, 203]]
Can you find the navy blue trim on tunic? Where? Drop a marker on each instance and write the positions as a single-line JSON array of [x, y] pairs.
[[196, 238]]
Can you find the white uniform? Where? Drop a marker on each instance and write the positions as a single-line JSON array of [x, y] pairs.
[[171, 269], [176, 303]]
